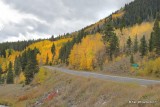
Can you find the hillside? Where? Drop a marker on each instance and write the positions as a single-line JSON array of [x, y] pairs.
[[126, 43], [70, 48]]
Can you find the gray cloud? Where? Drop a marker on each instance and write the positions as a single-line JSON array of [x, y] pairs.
[[61, 16]]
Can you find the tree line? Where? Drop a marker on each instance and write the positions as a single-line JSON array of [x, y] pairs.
[[17, 46]]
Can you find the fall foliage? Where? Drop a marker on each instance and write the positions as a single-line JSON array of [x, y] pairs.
[[118, 14], [151, 67], [136, 30], [45, 48], [86, 54], [127, 33], [5, 61], [41, 75]]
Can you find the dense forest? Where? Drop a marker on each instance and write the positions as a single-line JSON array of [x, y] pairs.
[[133, 13], [138, 12]]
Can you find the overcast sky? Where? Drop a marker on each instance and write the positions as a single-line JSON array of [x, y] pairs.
[[33, 19]]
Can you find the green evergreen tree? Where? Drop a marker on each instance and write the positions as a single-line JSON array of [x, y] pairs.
[[129, 45], [34, 60], [52, 38], [29, 72], [151, 43], [111, 39], [132, 59], [3, 52], [10, 79], [53, 51], [156, 30], [31, 67], [47, 59], [24, 60], [114, 46], [143, 47], [108, 32], [135, 47], [17, 66]]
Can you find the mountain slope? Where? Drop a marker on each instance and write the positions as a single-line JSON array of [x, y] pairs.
[[85, 51], [133, 13]]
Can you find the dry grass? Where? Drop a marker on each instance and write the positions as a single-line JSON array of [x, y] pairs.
[[81, 92]]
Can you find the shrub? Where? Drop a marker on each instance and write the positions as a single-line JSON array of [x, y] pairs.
[[151, 67], [41, 76], [21, 78]]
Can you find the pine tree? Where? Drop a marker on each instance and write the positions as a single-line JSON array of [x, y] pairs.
[[135, 47], [110, 40], [53, 51], [108, 32], [114, 46], [129, 45], [24, 60], [17, 66], [29, 72], [151, 43], [10, 74], [3, 53], [143, 47], [52, 38], [132, 59], [156, 30], [47, 59], [31, 67], [34, 60]]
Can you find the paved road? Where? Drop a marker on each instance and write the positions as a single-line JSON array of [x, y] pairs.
[[3, 106], [106, 77]]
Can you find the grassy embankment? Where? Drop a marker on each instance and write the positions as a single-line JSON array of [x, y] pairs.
[[77, 91]]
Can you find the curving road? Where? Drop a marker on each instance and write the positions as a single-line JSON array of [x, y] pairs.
[[106, 77]]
